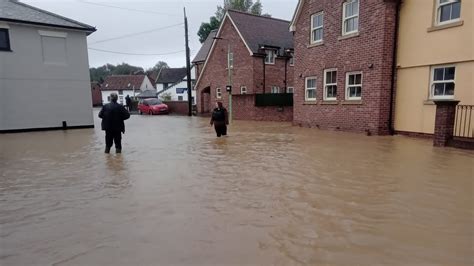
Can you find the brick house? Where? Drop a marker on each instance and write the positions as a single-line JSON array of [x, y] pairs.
[[96, 94], [258, 50], [344, 53]]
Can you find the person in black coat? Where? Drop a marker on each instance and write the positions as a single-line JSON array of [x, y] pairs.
[[113, 116], [220, 120]]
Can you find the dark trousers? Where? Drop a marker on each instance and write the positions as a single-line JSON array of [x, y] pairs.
[[221, 129], [112, 137]]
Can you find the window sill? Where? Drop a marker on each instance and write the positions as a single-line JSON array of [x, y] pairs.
[[6, 50], [329, 102], [310, 102], [428, 102], [446, 26], [352, 102], [348, 36], [315, 44]]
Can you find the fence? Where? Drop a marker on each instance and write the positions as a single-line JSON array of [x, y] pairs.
[[464, 122]]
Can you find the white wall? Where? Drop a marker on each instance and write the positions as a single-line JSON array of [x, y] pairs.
[[175, 96], [146, 85], [39, 94]]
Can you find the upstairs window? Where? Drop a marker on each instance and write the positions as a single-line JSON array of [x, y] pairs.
[[275, 89], [448, 11], [442, 82], [270, 57], [292, 59], [243, 90], [350, 23], [218, 93], [4, 40], [317, 21], [290, 90]]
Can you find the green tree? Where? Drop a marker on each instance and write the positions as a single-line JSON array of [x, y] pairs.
[[158, 66], [99, 74], [165, 96], [248, 6]]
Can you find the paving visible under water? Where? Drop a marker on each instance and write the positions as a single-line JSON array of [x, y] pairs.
[[270, 194]]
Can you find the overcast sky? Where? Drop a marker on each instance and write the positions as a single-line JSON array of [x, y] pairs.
[[114, 22]]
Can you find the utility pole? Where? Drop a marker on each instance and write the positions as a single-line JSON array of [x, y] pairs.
[[229, 74], [188, 65]]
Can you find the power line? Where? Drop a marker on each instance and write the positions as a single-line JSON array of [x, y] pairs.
[[138, 33], [128, 9], [124, 53]]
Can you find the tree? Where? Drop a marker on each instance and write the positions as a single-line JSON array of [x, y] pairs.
[[158, 66], [99, 74], [165, 96], [248, 6]]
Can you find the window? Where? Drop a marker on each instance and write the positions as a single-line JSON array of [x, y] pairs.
[[310, 94], [317, 27], [448, 11], [275, 89], [243, 90], [218, 93], [120, 92], [350, 21], [442, 82], [230, 60], [180, 98], [290, 90], [354, 86], [292, 59], [270, 57], [330, 84], [4, 40], [108, 99]]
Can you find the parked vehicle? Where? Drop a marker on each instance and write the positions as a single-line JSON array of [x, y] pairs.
[[152, 107]]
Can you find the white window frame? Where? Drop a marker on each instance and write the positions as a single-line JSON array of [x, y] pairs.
[[292, 89], [329, 84], [218, 93], [439, 5], [269, 52], [344, 18], [292, 59], [243, 90], [313, 30], [275, 90], [230, 60], [306, 89], [433, 82], [357, 85]]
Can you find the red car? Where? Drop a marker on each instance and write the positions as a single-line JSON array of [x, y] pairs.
[[152, 107]]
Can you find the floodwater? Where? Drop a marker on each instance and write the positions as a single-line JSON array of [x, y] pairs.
[[270, 194]]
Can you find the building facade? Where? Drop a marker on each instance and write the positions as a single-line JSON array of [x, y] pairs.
[[96, 94], [44, 70], [344, 53], [173, 83], [250, 53], [123, 85], [435, 60]]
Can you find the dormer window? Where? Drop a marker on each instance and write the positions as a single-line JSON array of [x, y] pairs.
[[270, 57]]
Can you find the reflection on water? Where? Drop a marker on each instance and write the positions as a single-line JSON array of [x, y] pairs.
[[270, 194]]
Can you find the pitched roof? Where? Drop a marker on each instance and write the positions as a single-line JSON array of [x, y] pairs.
[[261, 30], [205, 48], [171, 75], [16, 11], [147, 94], [121, 82]]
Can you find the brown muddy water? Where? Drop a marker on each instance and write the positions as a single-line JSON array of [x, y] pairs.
[[270, 194]]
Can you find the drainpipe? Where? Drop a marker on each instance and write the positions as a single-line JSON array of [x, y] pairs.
[[286, 75], [264, 70], [394, 68]]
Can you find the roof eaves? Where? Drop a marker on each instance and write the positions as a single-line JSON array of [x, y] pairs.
[[296, 15]]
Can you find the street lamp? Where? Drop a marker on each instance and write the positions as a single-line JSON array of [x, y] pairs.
[[230, 57]]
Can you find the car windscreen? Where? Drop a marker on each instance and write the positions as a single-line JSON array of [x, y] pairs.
[[154, 102]]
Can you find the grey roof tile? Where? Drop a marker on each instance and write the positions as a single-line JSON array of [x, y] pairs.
[[13, 10], [205, 48]]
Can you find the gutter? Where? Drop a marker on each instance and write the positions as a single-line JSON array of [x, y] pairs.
[[89, 30], [391, 128]]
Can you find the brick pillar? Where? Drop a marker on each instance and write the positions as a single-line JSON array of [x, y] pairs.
[[444, 122]]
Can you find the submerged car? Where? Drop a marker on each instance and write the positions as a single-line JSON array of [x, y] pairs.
[[152, 107]]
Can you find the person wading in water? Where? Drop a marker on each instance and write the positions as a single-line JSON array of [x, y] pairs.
[[220, 120], [113, 115]]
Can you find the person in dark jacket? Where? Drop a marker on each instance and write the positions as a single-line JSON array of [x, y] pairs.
[[128, 102], [113, 116], [220, 120]]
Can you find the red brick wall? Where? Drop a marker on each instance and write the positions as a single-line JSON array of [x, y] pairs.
[[243, 108], [96, 95], [370, 52], [247, 71], [177, 107]]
